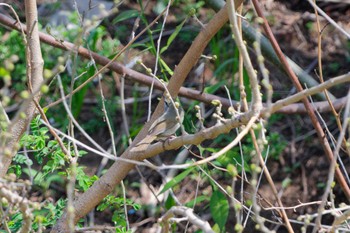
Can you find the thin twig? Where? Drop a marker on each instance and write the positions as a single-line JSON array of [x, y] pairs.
[[157, 59], [187, 212], [308, 92]]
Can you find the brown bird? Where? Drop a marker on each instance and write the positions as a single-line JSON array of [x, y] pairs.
[[164, 127]]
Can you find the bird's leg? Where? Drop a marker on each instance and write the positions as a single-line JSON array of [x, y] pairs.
[[166, 140]]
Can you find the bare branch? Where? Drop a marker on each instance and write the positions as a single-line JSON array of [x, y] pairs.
[[35, 64], [190, 216]]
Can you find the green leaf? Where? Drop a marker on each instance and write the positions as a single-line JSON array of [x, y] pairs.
[[213, 88], [126, 15], [223, 66], [4, 72], [166, 67], [16, 169], [169, 202], [79, 97], [216, 228], [40, 143], [84, 181], [286, 182], [219, 208], [197, 200], [22, 159], [177, 179], [43, 130], [173, 36], [52, 143]]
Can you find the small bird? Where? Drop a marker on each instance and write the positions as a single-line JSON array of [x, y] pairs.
[[164, 127]]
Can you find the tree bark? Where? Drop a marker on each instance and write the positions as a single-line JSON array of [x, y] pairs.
[[17, 126]]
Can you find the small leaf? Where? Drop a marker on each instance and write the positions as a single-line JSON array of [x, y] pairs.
[[166, 67], [173, 36], [219, 208], [197, 200], [213, 88], [286, 182], [177, 179], [126, 15], [4, 72], [82, 153], [170, 202]]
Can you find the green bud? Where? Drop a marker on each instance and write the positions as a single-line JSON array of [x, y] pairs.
[[229, 189], [238, 228], [333, 184], [259, 20], [7, 153], [39, 219], [192, 12], [44, 89], [215, 102], [5, 101], [7, 79], [237, 206], [253, 182], [61, 68], [9, 65], [4, 202], [47, 73], [70, 209], [61, 60], [232, 170], [23, 115], [249, 202], [25, 94]]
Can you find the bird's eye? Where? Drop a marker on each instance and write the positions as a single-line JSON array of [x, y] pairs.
[[166, 105]]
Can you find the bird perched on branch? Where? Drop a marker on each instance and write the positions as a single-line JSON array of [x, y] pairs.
[[163, 127]]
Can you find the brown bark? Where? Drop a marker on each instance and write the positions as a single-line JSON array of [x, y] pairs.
[[35, 64]]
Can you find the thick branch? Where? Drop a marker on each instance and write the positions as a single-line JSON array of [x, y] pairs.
[[35, 64]]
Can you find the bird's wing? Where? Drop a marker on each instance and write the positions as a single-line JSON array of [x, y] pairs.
[[144, 143], [158, 128]]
